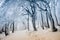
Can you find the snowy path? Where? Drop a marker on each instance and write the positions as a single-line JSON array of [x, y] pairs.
[[25, 35]]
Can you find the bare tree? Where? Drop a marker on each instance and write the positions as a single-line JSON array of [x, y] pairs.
[[49, 15], [6, 29], [13, 27], [42, 9], [42, 20], [55, 4], [46, 25], [33, 9], [33, 14]]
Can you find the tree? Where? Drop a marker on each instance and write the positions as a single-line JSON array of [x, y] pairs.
[[33, 9], [42, 20], [46, 25], [6, 29], [33, 14], [13, 27], [33, 4], [49, 15], [51, 18], [55, 4]]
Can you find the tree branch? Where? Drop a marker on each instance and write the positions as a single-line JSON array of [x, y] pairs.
[[40, 7]]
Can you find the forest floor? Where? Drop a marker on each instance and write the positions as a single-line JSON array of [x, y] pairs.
[[32, 35]]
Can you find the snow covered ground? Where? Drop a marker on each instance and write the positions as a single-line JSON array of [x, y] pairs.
[[32, 35]]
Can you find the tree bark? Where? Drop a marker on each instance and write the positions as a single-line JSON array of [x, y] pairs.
[[13, 28], [34, 25], [6, 30]]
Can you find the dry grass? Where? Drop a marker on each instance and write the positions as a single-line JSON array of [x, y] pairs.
[[34, 35]]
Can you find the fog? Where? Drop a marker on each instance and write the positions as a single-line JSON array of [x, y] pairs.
[[12, 10]]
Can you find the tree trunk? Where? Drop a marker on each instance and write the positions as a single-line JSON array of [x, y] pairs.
[[6, 30], [47, 21], [42, 20], [55, 13], [13, 28], [49, 15], [34, 25], [54, 29], [33, 9], [28, 21]]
